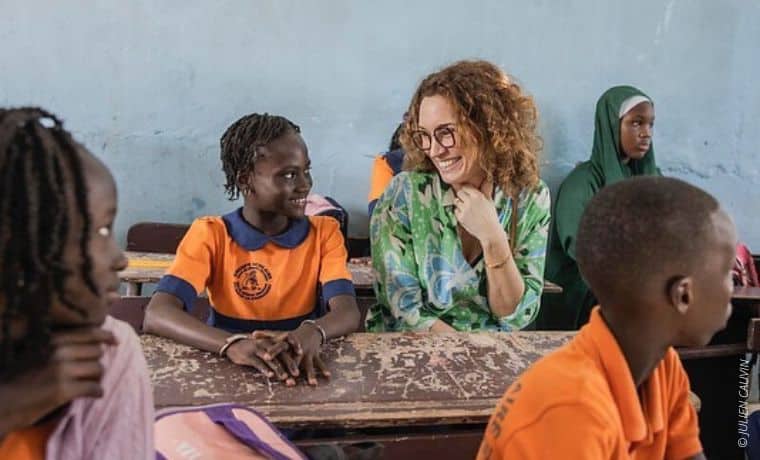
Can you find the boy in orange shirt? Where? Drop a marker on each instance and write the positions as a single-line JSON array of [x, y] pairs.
[[658, 254]]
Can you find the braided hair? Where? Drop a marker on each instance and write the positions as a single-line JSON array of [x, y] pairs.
[[39, 164], [241, 140]]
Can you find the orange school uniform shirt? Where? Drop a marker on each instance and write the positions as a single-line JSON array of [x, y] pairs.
[[27, 444], [255, 281], [581, 402], [383, 169]]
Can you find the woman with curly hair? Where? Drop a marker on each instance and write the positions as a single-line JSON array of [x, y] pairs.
[[459, 238], [622, 148]]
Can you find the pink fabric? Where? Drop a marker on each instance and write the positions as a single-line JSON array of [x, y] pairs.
[[316, 204], [120, 424], [744, 267], [220, 431]]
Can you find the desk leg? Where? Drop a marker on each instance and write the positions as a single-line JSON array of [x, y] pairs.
[[134, 289]]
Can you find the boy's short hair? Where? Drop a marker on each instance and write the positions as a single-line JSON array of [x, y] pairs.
[[634, 230], [241, 140]]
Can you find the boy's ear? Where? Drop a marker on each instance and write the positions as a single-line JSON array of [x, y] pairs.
[[680, 293]]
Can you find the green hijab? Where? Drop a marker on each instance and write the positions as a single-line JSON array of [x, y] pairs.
[[571, 309], [606, 158]]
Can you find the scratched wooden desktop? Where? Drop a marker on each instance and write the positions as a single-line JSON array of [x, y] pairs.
[[413, 392], [401, 385]]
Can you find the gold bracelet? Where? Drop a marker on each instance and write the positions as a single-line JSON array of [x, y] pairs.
[[498, 264]]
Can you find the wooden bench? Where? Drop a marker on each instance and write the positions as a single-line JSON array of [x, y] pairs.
[[155, 237]]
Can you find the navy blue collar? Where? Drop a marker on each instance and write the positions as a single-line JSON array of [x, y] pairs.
[[252, 239], [395, 159]]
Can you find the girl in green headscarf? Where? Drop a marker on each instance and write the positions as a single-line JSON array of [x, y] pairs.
[[622, 149]]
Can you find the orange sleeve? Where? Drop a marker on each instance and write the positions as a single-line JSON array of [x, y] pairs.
[[683, 426], [28, 443], [190, 272], [333, 269], [382, 174], [565, 431]]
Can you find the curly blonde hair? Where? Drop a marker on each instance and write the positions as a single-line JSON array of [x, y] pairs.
[[496, 116]]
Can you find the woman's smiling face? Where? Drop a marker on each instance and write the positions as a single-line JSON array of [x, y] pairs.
[[454, 158]]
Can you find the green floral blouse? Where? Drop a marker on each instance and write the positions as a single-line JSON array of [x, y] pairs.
[[421, 272]]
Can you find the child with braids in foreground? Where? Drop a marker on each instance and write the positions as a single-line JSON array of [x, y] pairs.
[[73, 381], [266, 267]]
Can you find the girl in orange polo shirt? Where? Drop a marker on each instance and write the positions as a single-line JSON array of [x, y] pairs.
[[265, 266], [73, 381]]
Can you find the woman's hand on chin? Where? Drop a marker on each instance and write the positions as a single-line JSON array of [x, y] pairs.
[[476, 213]]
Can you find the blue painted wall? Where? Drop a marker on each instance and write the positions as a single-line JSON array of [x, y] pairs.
[[150, 85]]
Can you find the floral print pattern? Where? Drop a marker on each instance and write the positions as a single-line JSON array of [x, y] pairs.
[[421, 272]]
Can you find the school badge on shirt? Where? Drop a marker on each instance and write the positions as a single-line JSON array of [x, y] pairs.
[[252, 281]]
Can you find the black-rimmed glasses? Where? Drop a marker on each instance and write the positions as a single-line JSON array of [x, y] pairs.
[[444, 135]]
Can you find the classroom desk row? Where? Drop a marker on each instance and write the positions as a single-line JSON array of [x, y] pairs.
[[146, 267], [422, 393], [378, 379], [413, 392]]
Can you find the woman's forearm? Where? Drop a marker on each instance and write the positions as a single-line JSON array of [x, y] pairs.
[[505, 284]]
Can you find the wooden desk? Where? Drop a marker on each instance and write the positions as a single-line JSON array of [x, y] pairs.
[[379, 380], [146, 267], [746, 293], [715, 374]]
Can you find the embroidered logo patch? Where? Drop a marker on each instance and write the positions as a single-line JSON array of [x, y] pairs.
[[252, 281]]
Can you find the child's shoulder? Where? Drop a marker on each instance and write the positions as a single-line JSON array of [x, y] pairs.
[[324, 224], [564, 378], [671, 369], [208, 225], [583, 176], [209, 220]]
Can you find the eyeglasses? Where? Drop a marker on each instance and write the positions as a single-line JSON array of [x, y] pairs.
[[444, 135]]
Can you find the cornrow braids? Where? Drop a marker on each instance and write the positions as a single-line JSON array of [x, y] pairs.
[[240, 142], [38, 164]]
